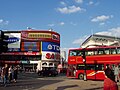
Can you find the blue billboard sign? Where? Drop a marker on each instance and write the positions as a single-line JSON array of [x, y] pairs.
[[12, 40], [50, 46]]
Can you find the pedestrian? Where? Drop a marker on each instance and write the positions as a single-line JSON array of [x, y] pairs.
[[0, 74], [15, 74], [109, 81], [5, 74], [116, 73], [10, 72]]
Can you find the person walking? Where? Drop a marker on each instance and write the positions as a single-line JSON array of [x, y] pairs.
[[15, 74], [0, 74], [109, 81], [116, 73], [4, 74], [10, 72]]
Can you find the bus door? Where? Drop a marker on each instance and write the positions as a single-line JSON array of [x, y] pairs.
[[99, 70]]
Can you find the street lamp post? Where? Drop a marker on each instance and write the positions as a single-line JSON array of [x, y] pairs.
[[85, 77], [84, 61]]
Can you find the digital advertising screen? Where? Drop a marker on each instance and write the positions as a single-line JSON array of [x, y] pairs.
[[50, 46], [30, 46], [14, 41]]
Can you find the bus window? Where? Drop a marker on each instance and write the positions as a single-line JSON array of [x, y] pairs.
[[73, 53], [113, 51], [95, 52], [101, 51], [79, 53], [90, 67], [107, 51], [89, 53], [80, 67], [99, 67], [118, 50]]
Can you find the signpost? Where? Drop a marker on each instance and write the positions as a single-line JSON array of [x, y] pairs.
[[84, 61]]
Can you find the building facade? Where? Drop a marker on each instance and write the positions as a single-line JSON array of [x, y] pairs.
[[28, 47], [99, 40]]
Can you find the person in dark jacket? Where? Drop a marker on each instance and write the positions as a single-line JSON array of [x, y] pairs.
[[15, 74], [109, 82]]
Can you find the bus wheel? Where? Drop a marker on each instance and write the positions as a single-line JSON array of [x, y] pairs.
[[81, 76]]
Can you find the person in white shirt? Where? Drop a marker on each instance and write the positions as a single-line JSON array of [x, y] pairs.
[[10, 72], [116, 73]]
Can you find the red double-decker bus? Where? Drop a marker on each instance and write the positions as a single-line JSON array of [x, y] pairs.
[[91, 62]]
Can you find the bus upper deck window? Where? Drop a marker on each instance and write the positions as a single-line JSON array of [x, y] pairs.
[[113, 51], [118, 50], [79, 54], [72, 53], [107, 51], [100, 52]]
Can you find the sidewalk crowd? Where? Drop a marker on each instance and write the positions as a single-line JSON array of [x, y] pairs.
[[112, 77], [8, 74]]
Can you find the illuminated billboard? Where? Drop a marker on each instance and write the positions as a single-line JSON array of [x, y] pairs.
[[30, 46], [40, 36], [50, 46], [55, 56], [14, 41]]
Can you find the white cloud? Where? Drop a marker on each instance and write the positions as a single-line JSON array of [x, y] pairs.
[[80, 40], [65, 49], [62, 23], [101, 18], [73, 23], [63, 3], [93, 3], [102, 23], [115, 32], [90, 3], [51, 25], [96, 4], [79, 1], [70, 9], [111, 32], [54, 24], [3, 22]]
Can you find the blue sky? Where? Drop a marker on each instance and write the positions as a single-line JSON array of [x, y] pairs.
[[74, 20]]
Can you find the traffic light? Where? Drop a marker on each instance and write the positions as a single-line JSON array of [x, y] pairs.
[[3, 42]]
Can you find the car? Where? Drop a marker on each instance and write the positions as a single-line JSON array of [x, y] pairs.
[[48, 72]]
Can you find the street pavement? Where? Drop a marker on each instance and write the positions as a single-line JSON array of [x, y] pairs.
[[74, 85], [31, 81]]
